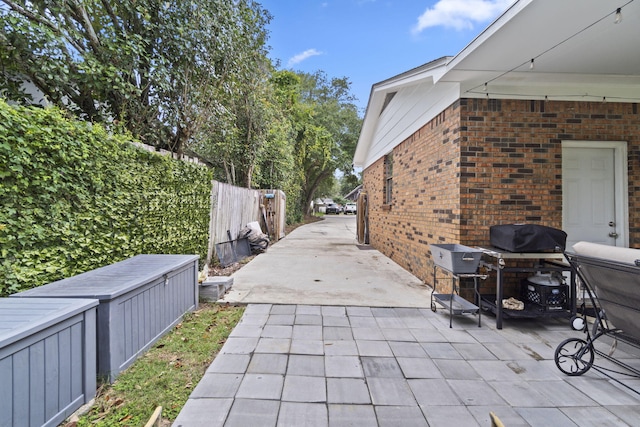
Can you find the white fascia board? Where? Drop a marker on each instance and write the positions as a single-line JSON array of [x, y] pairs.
[[368, 127], [418, 76], [412, 108], [418, 73], [427, 72]]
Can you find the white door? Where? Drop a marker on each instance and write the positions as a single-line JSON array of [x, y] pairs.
[[589, 207]]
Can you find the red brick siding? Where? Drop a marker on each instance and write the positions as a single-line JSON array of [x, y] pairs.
[[484, 162], [425, 207]]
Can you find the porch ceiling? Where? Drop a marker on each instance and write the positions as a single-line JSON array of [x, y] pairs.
[[578, 52]]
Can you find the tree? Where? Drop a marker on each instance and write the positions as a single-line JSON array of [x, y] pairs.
[[162, 69], [185, 76], [277, 166], [235, 146], [348, 183], [327, 141]]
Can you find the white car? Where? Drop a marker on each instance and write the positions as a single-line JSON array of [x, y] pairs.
[[350, 208]]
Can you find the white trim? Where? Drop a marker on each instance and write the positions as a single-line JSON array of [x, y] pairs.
[[412, 108], [499, 57], [407, 82], [621, 182]]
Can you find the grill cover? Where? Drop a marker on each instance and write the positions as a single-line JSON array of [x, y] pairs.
[[527, 238]]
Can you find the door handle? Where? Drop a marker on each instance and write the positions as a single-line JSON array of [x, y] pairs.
[[613, 234]]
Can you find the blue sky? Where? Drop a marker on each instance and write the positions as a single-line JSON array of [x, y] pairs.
[[369, 41]]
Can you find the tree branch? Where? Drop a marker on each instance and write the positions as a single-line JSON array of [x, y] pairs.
[[45, 22], [83, 18]]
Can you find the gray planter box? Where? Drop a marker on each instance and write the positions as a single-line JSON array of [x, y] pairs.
[[213, 288], [47, 359], [141, 299]]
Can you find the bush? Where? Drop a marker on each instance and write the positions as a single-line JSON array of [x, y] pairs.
[[75, 197]]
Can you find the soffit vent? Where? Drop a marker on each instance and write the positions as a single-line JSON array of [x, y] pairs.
[[387, 100]]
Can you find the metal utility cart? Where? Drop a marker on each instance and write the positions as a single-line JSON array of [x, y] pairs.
[[462, 262]]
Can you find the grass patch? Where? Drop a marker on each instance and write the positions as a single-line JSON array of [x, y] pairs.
[[165, 375]]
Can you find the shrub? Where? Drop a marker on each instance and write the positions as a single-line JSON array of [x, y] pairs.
[[75, 197]]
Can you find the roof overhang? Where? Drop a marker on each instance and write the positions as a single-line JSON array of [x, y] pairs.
[[382, 95], [579, 54]]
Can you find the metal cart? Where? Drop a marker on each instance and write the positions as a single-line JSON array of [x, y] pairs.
[[462, 262]]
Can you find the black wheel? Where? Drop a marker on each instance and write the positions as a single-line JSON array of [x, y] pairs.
[[574, 356]]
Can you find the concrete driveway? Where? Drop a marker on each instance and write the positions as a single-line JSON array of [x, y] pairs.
[[322, 264]]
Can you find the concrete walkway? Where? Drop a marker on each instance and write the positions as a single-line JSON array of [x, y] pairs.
[[309, 357], [320, 263]]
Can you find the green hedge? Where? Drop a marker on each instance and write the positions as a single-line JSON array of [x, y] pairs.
[[75, 197]]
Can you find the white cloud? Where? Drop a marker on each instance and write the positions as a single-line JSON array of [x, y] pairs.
[[460, 14], [302, 56]]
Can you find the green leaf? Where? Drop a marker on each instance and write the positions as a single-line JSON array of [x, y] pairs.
[[84, 211]]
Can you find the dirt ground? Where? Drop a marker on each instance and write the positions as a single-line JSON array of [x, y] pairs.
[[217, 270]]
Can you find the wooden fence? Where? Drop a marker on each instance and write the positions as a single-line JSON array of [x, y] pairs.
[[232, 208]]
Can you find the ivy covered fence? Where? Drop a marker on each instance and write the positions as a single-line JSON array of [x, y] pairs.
[[74, 197]]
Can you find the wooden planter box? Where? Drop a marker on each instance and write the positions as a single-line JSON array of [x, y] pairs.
[[141, 299], [47, 359]]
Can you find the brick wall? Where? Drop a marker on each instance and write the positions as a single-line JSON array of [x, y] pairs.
[[510, 158], [426, 197], [483, 162]]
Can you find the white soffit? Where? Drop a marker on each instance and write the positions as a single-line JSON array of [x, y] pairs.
[[579, 54], [411, 108], [577, 48]]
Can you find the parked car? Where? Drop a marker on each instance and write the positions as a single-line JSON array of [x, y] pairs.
[[350, 208], [332, 208]]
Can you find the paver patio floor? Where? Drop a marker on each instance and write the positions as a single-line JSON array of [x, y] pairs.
[[374, 366]]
